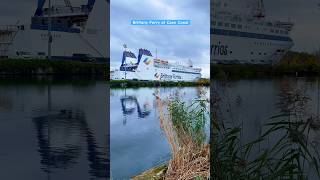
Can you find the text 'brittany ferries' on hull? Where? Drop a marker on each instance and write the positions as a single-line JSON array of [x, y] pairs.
[[147, 68], [251, 38]]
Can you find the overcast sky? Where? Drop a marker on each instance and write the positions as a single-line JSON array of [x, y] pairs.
[[174, 43]]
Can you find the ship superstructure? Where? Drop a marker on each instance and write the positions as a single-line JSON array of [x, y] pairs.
[[146, 68], [7, 34], [247, 38], [76, 30]]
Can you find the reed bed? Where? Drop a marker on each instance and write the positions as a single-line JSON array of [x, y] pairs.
[[183, 126], [290, 155]]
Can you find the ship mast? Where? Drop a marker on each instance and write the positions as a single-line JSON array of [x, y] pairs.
[[49, 30], [125, 68]]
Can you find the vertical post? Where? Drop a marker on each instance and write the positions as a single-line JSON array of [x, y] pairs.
[[125, 72], [125, 63], [49, 30]]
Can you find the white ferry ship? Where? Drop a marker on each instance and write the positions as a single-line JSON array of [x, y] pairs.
[[77, 31], [146, 68], [247, 38]]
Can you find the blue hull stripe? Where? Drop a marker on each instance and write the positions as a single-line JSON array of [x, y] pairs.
[[249, 35], [55, 28], [71, 58], [184, 72]]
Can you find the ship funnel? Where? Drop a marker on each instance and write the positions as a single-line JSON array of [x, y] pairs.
[[39, 8], [190, 64], [143, 52], [127, 54]]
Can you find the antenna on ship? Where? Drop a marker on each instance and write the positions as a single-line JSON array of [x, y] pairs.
[[260, 11], [156, 53], [49, 30]]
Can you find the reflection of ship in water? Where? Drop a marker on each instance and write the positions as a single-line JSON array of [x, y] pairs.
[[60, 135], [5, 103], [128, 104]]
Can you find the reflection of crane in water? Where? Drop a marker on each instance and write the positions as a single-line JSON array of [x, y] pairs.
[[129, 103]]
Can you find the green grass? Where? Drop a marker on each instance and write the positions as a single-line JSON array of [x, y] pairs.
[[137, 84], [241, 71], [190, 119], [47, 67], [292, 64]]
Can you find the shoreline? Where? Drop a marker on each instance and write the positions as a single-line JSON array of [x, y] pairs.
[[294, 64], [35, 67], [138, 84], [261, 71]]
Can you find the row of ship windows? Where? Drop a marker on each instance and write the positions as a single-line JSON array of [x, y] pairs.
[[167, 67], [259, 53], [178, 69], [164, 67], [53, 35], [267, 44], [263, 43], [238, 26]]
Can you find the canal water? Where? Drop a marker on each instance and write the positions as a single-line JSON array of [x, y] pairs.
[[54, 129], [137, 142], [250, 103]]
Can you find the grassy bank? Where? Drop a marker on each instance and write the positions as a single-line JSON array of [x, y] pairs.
[[51, 67], [292, 64], [77, 80], [132, 84]]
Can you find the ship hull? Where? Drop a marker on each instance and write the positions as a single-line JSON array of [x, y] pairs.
[[245, 50], [31, 41], [156, 75], [34, 44]]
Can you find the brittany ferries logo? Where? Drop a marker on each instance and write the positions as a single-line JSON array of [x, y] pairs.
[[163, 76], [157, 76], [147, 60]]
